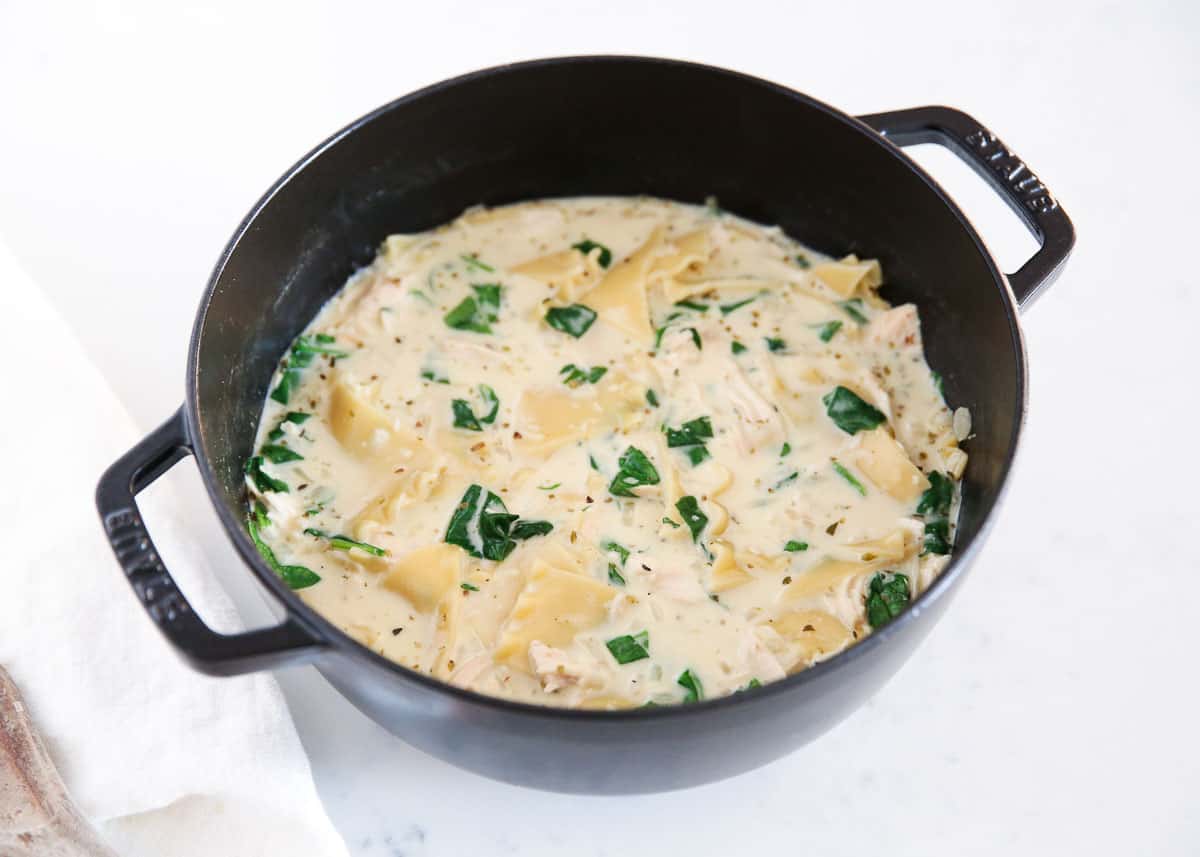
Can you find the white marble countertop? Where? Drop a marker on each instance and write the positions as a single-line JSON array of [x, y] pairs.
[[1053, 711]]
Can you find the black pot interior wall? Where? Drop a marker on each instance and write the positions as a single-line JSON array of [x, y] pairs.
[[605, 127]]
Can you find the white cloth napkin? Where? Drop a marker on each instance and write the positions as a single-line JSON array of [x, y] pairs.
[[165, 761]]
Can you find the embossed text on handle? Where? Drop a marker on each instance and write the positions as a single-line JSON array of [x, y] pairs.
[[1021, 180]]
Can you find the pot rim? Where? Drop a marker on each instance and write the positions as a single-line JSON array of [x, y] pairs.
[[334, 638]]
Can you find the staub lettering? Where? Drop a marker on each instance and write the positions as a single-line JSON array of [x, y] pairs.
[[142, 565], [1019, 178]]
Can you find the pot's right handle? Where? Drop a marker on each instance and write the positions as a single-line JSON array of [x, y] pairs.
[[206, 650], [1005, 172]]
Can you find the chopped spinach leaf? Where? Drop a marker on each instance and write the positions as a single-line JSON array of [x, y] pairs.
[[586, 246], [692, 305], [614, 573], [576, 375], [489, 398], [691, 435], [288, 381], [317, 344], [464, 417], [737, 347], [549, 487], [473, 262], [690, 682], [479, 313], [793, 546], [523, 530], [752, 684], [934, 506], [469, 587], [802, 261], [775, 344], [692, 432], [264, 482], [489, 298], [619, 550], [430, 375], [652, 398], [849, 477], [299, 357], [671, 523], [293, 576], [937, 498], [938, 384], [277, 454], [887, 596], [791, 477], [258, 515], [633, 469], [849, 412], [297, 417], [785, 449], [726, 309], [828, 329], [689, 510], [344, 543], [937, 536], [854, 309], [483, 527], [626, 649], [658, 335], [573, 320]]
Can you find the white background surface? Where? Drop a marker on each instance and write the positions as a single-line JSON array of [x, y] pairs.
[[1054, 710]]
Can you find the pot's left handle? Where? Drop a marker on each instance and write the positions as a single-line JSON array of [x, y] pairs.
[[203, 648]]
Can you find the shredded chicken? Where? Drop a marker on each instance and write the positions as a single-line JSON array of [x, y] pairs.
[[553, 667], [899, 327]]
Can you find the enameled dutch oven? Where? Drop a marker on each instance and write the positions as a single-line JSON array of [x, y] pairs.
[[585, 126]]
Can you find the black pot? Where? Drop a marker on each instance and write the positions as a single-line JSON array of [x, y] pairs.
[[576, 126]]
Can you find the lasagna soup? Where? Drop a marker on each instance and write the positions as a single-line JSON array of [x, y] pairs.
[[607, 453]]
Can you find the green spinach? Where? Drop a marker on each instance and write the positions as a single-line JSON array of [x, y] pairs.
[[843, 472], [586, 246], [849, 412], [887, 596], [690, 682], [626, 649], [573, 320], [479, 313], [689, 510], [293, 576], [344, 543], [484, 528], [264, 482], [633, 469], [826, 331], [854, 309]]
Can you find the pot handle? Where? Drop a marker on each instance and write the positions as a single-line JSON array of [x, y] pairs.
[[203, 648], [1008, 175]]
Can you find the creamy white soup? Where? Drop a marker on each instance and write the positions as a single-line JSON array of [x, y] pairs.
[[607, 453]]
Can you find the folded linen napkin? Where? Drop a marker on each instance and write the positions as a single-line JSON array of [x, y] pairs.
[[163, 760]]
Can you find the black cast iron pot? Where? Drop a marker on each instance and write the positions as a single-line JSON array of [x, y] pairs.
[[576, 126]]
